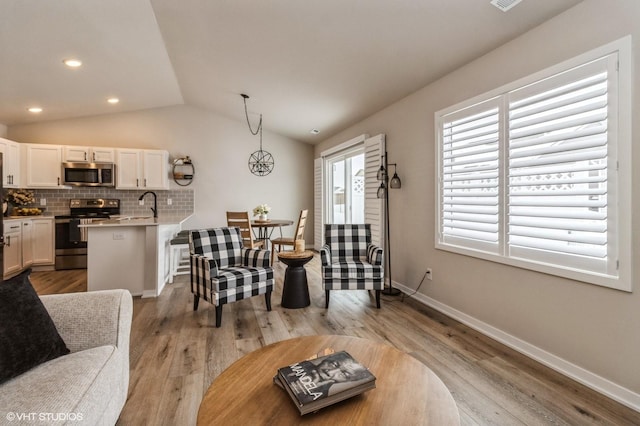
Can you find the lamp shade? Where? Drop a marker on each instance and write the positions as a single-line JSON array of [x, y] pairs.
[[381, 173], [381, 191], [395, 181]]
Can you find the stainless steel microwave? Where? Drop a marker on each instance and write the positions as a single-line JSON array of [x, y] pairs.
[[89, 174]]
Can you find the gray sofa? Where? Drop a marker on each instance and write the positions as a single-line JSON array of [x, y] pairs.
[[88, 386]]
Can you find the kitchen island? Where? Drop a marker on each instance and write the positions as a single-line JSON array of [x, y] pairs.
[[130, 252]]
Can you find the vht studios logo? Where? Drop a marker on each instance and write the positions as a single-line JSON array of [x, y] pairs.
[[44, 417]]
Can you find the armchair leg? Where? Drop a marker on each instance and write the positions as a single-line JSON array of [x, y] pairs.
[[378, 298], [218, 315], [326, 298], [196, 299], [267, 299]]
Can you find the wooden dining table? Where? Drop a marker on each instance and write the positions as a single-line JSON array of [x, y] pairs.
[[265, 229]]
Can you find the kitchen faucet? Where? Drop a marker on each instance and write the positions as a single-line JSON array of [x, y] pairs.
[[154, 209]]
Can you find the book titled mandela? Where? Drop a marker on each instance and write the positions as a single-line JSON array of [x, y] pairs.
[[316, 383]]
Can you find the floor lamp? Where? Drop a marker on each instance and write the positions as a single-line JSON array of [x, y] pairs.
[[383, 192]]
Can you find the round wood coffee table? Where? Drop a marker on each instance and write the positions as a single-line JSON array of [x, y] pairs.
[[295, 290], [407, 392]]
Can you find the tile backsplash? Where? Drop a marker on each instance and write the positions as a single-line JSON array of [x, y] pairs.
[[182, 200]]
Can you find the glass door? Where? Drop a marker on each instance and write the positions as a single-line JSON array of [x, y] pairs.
[[345, 195]]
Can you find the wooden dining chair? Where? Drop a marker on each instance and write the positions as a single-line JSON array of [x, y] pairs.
[[241, 220], [299, 235]]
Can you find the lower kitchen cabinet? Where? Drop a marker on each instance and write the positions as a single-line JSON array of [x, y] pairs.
[[28, 242], [12, 247], [43, 241]]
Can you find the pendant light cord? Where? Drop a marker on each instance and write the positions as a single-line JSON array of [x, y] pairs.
[[246, 114]]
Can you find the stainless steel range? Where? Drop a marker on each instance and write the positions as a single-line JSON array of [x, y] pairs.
[[71, 241]]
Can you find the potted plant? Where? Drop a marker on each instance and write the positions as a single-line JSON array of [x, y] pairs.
[[262, 212]]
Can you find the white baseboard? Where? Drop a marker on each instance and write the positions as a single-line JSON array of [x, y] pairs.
[[148, 293], [579, 374]]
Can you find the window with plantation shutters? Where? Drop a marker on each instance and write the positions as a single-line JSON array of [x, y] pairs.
[[534, 175], [558, 172], [470, 169]]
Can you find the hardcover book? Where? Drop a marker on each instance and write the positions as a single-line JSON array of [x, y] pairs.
[[316, 383]]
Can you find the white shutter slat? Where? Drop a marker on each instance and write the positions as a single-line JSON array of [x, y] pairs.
[[592, 75], [557, 202], [471, 217], [554, 148], [583, 110], [584, 119], [539, 179], [591, 94], [548, 191], [563, 224], [558, 213], [547, 246], [559, 135], [598, 238], [561, 158], [461, 208]]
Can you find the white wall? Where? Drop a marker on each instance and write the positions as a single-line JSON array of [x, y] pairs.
[[220, 150], [3, 131], [572, 324]]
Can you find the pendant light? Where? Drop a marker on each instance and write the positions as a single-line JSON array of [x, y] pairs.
[[261, 162]]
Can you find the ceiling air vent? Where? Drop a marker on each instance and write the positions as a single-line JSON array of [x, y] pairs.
[[505, 5]]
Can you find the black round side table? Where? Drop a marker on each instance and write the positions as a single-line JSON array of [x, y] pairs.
[[295, 291]]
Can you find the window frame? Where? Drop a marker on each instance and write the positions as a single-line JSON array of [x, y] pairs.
[[618, 145]]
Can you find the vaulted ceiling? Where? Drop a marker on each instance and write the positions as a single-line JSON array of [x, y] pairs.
[[305, 64]]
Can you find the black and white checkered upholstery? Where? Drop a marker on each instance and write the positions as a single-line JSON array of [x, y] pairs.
[[349, 260], [223, 271]]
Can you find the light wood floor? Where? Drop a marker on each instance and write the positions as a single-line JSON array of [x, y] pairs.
[[176, 353]]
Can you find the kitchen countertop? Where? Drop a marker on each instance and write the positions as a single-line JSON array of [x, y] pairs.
[[137, 221], [35, 216]]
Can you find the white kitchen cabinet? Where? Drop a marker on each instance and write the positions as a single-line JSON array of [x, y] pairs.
[[156, 169], [43, 238], [12, 252], [10, 163], [27, 243], [142, 169], [42, 165], [88, 154]]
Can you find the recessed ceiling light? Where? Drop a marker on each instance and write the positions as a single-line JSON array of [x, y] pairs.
[[113, 100], [34, 110], [72, 63], [314, 131]]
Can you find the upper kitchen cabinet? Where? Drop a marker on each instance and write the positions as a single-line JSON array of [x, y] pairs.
[[11, 163], [42, 165], [86, 154], [142, 169]]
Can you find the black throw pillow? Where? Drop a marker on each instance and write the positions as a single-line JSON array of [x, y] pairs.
[[28, 336]]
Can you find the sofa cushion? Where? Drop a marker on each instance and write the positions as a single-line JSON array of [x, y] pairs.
[[79, 385], [28, 336], [240, 276], [353, 269]]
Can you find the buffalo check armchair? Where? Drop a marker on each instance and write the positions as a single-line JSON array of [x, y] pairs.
[[350, 261], [223, 271]]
